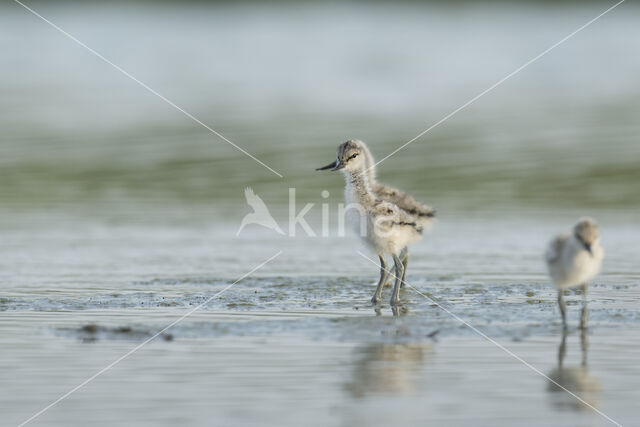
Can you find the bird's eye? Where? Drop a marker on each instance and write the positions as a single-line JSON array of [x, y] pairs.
[[353, 156], [389, 211]]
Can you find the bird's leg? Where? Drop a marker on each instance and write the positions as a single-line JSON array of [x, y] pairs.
[[404, 255], [583, 316], [395, 299], [563, 309], [383, 279]]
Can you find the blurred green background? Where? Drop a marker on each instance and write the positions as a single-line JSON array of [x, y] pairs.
[[289, 81]]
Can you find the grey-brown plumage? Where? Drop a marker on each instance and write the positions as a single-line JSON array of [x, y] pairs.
[[390, 227], [424, 214]]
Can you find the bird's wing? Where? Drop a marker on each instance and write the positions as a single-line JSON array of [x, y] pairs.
[[415, 208], [386, 192], [413, 225], [555, 248], [405, 201], [405, 219], [404, 216]]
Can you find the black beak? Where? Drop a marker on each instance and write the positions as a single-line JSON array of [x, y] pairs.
[[588, 248], [334, 166]]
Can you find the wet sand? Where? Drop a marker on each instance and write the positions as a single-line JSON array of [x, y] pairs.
[[289, 347]]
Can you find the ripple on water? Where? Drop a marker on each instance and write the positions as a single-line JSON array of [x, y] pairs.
[[338, 308]]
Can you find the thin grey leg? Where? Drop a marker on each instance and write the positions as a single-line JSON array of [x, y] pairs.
[[583, 316], [383, 279], [404, 256], [563, 308], [395, 297]]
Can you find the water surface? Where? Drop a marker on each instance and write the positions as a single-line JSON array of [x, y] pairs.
[[118, 214]]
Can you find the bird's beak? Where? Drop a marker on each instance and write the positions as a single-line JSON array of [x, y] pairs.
[[339, 165], [588, 248], [334, 166]]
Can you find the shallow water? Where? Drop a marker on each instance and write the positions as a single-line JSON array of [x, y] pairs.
[[297, 342], [118, 215]]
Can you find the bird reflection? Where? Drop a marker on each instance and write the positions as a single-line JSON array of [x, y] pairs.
[[387, 368], [575, 379]]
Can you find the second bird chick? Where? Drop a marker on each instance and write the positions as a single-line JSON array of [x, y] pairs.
[[573, 259]]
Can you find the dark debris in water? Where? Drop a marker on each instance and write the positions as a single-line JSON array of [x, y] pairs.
[[339, 308], [92, 332]]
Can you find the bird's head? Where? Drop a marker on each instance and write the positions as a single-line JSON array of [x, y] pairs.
[[350, 157], [587, 232]]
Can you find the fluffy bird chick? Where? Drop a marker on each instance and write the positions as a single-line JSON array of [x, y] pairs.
[[389, 228], [423, 215], [573, 259]]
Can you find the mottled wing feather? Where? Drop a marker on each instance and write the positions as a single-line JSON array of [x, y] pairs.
[[555, 248], [410, 224], [407, 219], [405, 202], [425, 211]]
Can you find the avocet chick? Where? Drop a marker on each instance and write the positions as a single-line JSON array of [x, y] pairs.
[[573, 259], [389, 229], [424, 215]]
